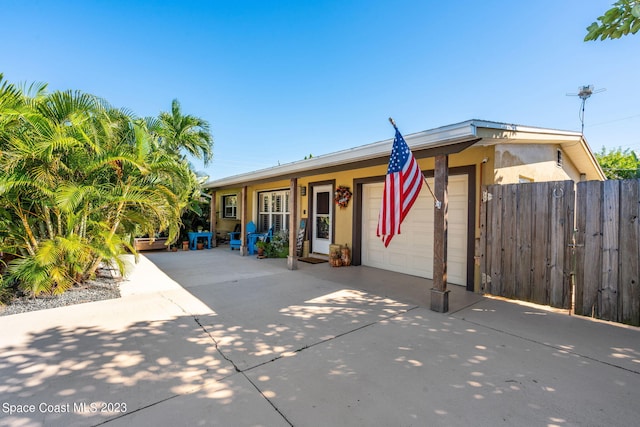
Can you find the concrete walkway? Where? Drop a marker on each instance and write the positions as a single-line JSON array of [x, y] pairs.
[[213, 338]]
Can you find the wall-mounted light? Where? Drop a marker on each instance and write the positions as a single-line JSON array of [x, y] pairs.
[[303, 190]]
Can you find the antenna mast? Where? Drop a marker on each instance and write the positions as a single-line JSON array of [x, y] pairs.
[[584, 92]]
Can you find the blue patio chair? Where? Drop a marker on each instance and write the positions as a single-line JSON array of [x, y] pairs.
[[234, 237], [252, 239]]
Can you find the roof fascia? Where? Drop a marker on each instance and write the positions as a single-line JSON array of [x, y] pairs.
[[451, 135], [443, 140]]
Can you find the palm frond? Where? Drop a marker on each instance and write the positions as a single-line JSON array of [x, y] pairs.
[[35, 90], [70, 196]]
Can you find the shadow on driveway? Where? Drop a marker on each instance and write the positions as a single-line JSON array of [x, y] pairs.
[[246, 342]]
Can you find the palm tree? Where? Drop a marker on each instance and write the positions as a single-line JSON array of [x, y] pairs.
[[77, 179], [185, 132]]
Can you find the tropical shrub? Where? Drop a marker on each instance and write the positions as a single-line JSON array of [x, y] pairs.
[[78, 179]]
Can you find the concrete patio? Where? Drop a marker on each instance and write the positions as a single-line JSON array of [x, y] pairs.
[[212, 338]]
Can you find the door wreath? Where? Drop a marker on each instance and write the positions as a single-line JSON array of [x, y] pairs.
[[342, 196]]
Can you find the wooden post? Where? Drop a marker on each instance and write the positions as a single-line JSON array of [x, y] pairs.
[[212, 219], [292, 259], [243, 222], [439, 292]]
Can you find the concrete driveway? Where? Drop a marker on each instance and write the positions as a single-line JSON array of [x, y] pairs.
[[212, 338]]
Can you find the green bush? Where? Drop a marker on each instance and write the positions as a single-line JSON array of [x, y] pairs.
[[8, 291], [278, 247]]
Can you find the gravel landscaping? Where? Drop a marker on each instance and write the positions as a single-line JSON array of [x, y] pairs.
[[101, 288]]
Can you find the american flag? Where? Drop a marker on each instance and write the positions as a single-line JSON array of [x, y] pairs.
[[401, 188]]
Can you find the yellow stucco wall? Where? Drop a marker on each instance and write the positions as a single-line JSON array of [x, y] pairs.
[[535, 162], [505, 164], [343, 217]]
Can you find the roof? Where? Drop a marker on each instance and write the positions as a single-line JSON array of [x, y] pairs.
[[443, 140]]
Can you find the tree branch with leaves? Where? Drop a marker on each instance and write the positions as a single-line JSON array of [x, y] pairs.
[[618, 163], [621, 20]]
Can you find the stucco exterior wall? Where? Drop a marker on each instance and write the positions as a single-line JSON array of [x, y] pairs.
[[343, 217], [537, 163], [504, 164]]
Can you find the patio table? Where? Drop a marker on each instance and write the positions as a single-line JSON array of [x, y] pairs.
[[193, 238]]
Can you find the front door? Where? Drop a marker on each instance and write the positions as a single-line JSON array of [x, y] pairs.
[[322, 213]]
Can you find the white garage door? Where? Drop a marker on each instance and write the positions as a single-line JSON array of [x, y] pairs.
[[412, 251]]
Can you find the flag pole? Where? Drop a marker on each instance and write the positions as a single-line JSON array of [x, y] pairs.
[[437, 202]]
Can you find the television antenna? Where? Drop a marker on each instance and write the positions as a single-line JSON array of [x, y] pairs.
[[584, 92]]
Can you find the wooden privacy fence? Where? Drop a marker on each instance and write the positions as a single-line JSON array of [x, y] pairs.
[[608, 250], [526, 232], [530, 249]]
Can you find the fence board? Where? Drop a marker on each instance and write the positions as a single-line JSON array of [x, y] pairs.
[[496, 251], [485, 242], [540, 240], [491, 240], [568, 261], [509, 242], [524, 217], [561, 234], [592, 260], [629, 256], [608, 292], [579, 248]]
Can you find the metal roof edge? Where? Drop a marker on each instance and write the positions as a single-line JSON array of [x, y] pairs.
[[441, 136], [520, 128], [436, 137]]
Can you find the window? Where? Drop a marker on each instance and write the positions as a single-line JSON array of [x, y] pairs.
[[323, 210], [273, 210], [559, 158], [229, 205]]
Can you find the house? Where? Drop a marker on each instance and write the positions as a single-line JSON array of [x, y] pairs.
[[478, 152]]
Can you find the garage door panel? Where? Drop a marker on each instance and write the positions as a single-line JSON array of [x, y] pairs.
[[456, 257], [396, 259], [376, 257], [457, 187], [411, 252], [454, 270]]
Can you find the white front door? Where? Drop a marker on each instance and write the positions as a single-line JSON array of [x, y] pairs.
[[322, 213]]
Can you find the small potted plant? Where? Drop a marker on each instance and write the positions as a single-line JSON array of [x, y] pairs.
[[262, 246]]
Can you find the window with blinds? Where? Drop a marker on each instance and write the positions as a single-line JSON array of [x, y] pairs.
[[273, 210]]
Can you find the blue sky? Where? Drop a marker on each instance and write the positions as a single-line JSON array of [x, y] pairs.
[[279, 80]]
